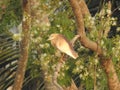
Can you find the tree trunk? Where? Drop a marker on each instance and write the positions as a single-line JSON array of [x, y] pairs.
[[24, 46], [113, 81]]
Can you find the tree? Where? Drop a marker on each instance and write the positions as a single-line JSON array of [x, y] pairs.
[[106, 62], [97, 24], [24, 46]]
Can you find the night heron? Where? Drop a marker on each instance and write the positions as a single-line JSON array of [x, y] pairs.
[[62, 44]]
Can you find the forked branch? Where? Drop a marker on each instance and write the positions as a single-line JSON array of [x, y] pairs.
[[113, 81]]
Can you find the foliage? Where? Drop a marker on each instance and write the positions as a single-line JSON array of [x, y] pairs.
[[9, 54], [11, 14], [57, 17]]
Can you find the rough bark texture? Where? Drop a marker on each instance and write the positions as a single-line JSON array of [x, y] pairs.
[[81, 30], [112, 78], [84, 9], [24, 46], [113, 81], [85, 13]]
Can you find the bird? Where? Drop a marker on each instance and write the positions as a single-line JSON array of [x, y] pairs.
[[60, 42]]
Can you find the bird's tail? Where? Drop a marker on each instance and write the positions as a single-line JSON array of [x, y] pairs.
[[75, 55]]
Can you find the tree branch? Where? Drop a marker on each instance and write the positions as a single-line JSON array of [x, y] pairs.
[[26, 24], [81, 30], [86, 14], [74, 39], [84, 9], [107, 64]]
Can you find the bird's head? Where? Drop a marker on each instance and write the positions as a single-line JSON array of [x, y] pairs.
[[53, 36]]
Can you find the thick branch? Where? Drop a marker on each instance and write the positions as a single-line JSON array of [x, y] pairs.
[[81, 30], [86, 14], [78, 15], [24, 47], [107, 64], [84, 9]]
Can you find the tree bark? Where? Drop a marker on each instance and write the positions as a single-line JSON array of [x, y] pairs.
[[24, 46], [84, 9], [106, 63]]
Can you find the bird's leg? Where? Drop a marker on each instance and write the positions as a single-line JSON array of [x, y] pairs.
[[74, 39]]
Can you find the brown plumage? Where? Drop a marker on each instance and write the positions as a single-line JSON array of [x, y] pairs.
[[62, 44]]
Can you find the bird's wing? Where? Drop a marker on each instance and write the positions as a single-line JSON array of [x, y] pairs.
[[64, 46]]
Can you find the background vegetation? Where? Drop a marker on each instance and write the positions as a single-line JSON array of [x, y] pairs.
[[56, 16]]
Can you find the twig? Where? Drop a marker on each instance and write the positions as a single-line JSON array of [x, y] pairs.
[[74, 39], [107, 29]]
